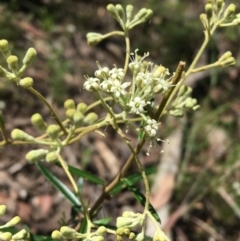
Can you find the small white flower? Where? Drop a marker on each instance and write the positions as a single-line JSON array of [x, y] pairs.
[[102, 72], [143, 79], [91, 84], [151, 127], [116, 73], [136, 61], [118, 89], [137, 105]]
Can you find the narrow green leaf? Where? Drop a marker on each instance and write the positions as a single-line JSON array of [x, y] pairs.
[[103, 221], [84, 174], [132, 179], [59, 185], [83, 227], [142, 199]]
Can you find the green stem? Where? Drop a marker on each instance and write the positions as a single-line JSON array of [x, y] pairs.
[[35, 92], [127, 56]]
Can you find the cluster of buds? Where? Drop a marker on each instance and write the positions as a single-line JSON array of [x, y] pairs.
[[183, 102], [216, 12], [124, 18], [66, 233], [12, 60], [22, 235], [126, 222], [77, 114]]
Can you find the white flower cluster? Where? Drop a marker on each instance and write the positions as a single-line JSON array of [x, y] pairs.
[[147, 81]]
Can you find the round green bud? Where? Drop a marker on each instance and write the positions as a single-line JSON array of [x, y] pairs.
[[53, 131], [94, 38], [36, 155], [21, 135], [219, 4], [82, 107], [78, 118], [56, 235], [126, 231], [209, 10], [70, 113], [120, 231], [26, 82], [111, 9], [90, 118], [4, 48], [203, 18], [51, 157], [21, 235], [7, 236], [12, 61], [68, 232], [3, 209], [38, 122], [30, 56], [159, 71], [69, 104], [140, 237], [101, 230], [132, 235], [160, 236], [230, 10], [119, 238]]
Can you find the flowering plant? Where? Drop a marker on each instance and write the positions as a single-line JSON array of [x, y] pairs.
[[136, 101]]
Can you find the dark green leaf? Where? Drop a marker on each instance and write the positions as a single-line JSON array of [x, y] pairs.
[[84, 174], [142, 199], [59, 185]]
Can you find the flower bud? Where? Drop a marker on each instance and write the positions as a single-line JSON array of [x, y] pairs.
[[12, 61], [141, 14], [119, 238], [129, 10], [225, 56], [53, 131], [209, 10], [229, 61], [159, 71], [7, 236], [111, 9], [203, 18], [38, 122], [51, 157], [126, 231], [69, 104], [56, 235], [124, 222], [132, 235], [140, 237], [21, 235], [26, 82], [21, 136], [219, 4], [4, 48], [78, 118], [90, 118], [3, 209], [36, 155], [14, 221], [70, 113], [176, 112], [101, 230], [120, 11], [230, 10], [82, 107], [160, 236], [68, 232], [30, 56], [94, 38]]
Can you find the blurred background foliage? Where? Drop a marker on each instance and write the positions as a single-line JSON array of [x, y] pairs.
[[57, 29]]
